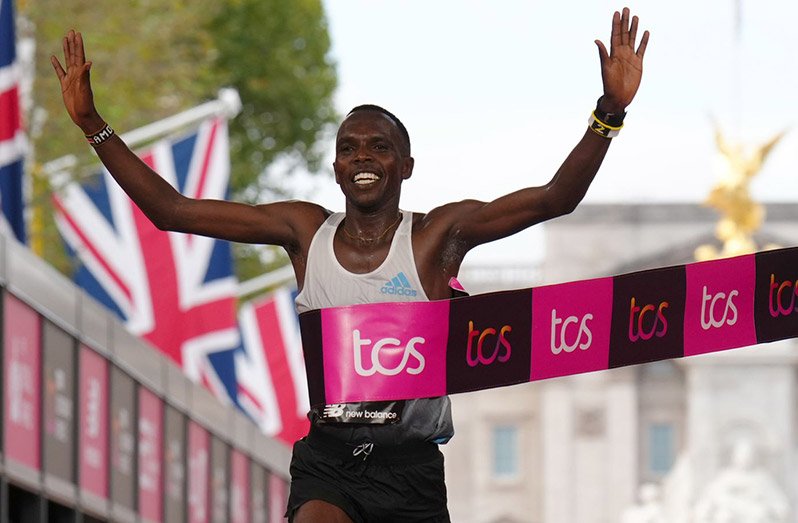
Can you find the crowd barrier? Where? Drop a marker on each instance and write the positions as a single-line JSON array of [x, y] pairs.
[[97, 425]]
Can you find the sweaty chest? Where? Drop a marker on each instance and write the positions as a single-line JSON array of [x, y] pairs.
[[432, 270], [360, 259]]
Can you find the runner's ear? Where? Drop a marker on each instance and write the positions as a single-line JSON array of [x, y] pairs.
[[335, 172], [407, 167]]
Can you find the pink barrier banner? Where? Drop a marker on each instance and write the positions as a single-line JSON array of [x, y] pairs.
[[199, 469], [395, 351], [719, 313], [22, 339], [93, 422], [239, 487], [150, 454], [389, 341], [570, 328], [278, 498]]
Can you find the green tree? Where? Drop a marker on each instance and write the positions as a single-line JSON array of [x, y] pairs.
[[152, 59], [279, 66]]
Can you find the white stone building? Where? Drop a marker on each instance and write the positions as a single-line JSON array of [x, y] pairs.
[[578, 449]]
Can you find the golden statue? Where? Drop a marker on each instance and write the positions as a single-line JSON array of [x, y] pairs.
[[741, 216]]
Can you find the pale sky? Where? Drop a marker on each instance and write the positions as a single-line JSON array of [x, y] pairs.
[[495, 95]]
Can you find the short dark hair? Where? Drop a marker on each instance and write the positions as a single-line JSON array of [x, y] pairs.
[[389, 114]]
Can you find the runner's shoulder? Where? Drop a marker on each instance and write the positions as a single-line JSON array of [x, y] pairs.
[[299, 210], [446, 216]]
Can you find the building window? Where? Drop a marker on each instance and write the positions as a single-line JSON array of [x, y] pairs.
[[505, 451], [661, 448]]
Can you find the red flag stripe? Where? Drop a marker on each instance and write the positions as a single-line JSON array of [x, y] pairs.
[[242, 390], [282, 379], [206, 161], [10, 122], [174, 325]]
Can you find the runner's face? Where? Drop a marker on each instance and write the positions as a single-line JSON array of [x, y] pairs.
[[369, 161]]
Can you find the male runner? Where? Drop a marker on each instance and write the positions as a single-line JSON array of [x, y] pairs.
[[392, 470]]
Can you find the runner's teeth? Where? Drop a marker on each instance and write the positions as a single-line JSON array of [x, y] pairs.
[[365, 178]]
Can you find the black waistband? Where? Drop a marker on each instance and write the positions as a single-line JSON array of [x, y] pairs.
[[409, 453]]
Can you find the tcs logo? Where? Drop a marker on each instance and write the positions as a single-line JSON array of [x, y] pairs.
[[387, 343], [502, 345], [640, 313], [708, 318], [777, 309], [583, 331]]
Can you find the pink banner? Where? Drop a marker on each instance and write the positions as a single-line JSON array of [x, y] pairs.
[[239, 487], [398, 340], [719, 310], [395, 351], [93, 424], [278, 498], [198, 473], [150, 453], [570, 328], [22, 342]]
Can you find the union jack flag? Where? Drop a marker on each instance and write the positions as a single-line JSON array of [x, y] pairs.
[[12, 136], [175, 290], [272, 384], [178, 290]]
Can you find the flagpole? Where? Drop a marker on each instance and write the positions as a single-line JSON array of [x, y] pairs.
[[227, 104], [276, 277]]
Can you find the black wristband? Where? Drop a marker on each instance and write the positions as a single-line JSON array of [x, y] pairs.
[[100, 137], [610, 119]]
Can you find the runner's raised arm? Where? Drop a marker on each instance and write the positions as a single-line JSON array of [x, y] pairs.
[[476, 222], [288, 224]]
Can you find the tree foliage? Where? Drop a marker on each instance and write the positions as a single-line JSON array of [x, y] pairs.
[[155, 58], [284, 80]]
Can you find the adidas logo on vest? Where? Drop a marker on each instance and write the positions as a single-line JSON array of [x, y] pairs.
[[398, 285]]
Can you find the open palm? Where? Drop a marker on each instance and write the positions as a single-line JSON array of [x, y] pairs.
[[75, 83], [622, 67]]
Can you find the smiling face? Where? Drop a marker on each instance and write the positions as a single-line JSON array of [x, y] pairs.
[[371, 160]]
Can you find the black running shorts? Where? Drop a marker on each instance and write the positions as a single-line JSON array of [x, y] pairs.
[[401, 484]]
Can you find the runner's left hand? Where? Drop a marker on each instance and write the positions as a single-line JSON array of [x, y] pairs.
[[622, 67]]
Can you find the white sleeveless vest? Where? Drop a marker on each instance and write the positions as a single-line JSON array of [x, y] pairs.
[[328, 284]]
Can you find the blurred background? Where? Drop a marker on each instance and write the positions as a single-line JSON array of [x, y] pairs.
[[494, 97]]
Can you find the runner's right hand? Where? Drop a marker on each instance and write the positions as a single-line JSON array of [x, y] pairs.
[[76, 84]]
